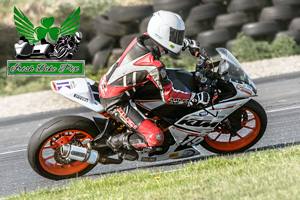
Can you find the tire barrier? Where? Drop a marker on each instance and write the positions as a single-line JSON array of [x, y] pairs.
[[246, 5], [174, 5], [195, 27], [130, 13], [144, 24], [280, 13], [295, 24], [230, 43], [213, 23], [100, 59], [178, 6], [214, 37], [127, 39], [292, 33], [109, 27], [99, 42], [116, 53], [206, 12], [83, 53], [286, 2], [231, 20], [213, 1], [261, 28]]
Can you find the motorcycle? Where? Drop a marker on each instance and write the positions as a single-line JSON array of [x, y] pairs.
[[65, 47], [71, 146]]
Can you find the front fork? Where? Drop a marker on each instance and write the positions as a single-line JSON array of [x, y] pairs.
[[231, 130], [234, 121]]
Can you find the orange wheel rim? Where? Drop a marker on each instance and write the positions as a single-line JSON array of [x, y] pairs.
[[46, 154], [226, 142]]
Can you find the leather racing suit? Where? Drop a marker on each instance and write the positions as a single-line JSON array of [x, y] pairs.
[[138, 64]]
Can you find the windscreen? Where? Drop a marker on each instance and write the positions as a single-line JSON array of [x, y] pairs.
[[231, 69]]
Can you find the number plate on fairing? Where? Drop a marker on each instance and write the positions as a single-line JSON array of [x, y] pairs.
[[185, 138]]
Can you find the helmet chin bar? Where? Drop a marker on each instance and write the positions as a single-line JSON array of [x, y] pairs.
[[165, 50]]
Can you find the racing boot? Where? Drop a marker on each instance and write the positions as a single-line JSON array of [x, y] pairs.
[[140, 144]]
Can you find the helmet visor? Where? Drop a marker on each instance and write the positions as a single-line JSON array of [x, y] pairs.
[[176, 36]]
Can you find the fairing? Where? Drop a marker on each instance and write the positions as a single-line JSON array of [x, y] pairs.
[[78, 90]]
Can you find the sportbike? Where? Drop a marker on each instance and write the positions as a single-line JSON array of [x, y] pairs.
[[70, 146]]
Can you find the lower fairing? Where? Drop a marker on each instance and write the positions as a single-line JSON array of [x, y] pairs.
[[172, 153]]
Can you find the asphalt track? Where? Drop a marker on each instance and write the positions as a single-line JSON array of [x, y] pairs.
[[279, 95]]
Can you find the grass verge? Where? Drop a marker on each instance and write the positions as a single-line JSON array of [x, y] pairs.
[[271, 174]]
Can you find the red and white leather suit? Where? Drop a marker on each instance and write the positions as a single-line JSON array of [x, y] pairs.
[[138, 64]]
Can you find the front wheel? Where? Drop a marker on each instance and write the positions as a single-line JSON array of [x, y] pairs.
[[253, 122], [61, 52], [43, 149]]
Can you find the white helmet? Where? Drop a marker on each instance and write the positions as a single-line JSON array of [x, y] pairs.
[[167, 29], [78, 36]]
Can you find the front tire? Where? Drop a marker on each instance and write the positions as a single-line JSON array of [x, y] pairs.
[[254, 123], [43, 147]]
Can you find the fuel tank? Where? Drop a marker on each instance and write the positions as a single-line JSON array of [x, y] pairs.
[[181, 79], [148, 97]]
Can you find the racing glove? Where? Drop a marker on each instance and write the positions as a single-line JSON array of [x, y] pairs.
[[192, 45], [201, 98]]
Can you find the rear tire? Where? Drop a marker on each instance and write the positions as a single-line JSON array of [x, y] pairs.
[[240, 144], [55, 133]]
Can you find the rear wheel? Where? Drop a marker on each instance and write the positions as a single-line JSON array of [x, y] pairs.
[[43, 148], [253, 122]]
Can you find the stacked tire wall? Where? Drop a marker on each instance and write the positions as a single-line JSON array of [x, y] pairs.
[[214, 23]]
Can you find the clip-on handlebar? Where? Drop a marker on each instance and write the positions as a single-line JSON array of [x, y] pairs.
[[204, 75]]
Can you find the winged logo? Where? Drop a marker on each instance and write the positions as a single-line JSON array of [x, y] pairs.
[[25, 27]]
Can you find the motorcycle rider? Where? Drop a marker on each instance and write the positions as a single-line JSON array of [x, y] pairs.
[[72, 41], [138, 64]]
